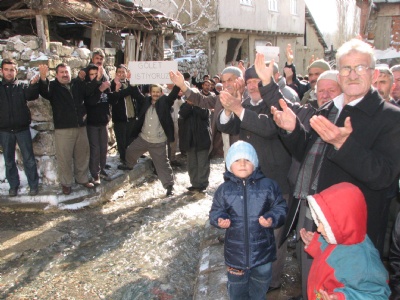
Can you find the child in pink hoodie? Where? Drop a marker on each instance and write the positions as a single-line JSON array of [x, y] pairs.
[[346, 264]]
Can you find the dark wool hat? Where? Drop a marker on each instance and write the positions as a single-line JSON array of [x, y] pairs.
[[250, 73]]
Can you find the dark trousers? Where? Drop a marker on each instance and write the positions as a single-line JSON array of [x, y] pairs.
[[9, 140], [281, 252], [123, 134], [305, 260], [98, 143], [158, 153], [198, 163]]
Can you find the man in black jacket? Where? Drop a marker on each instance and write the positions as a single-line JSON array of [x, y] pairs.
[[153, 130], [67, 99], [196, 142], [98, 115], [15, 118], [124, 112]]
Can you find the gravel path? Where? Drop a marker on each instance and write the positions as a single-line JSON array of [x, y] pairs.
[[140, 245]]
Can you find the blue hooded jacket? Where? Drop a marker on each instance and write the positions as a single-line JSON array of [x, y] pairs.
[[247, 243]]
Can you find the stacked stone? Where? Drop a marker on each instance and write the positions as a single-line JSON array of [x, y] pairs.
[[25, 50], [194, 60]]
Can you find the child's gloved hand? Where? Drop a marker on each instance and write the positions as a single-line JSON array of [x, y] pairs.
[[224, 223], [265, 222]]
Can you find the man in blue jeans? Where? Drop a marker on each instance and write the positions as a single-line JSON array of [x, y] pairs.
[[15, 118]]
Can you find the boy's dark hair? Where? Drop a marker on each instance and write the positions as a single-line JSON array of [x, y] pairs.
[[206, 76], [9, 61], [186, 76], [91, 67]]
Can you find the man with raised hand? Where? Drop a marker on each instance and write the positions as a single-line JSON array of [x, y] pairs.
[[67, 99], [232, 81]]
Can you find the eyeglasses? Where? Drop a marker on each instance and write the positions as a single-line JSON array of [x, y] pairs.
[[359, 70]]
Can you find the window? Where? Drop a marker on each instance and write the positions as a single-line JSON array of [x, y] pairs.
[[273, 5], [293, 7], [246, 2]]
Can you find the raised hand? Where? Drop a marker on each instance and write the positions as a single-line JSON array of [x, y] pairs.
[[104, 85], [241, 67], [43, 69], [329, 132], [240, 85], [35, 79], [100, 73], [289, 54], [230, 103], [285, 118], [312, 59], [265, 73], [178, 79], [82, 75], [118, 85]]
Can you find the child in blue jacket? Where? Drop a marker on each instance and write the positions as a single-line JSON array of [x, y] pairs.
[[249, 206]]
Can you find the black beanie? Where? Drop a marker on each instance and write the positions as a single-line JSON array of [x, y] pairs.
[[250, 73]]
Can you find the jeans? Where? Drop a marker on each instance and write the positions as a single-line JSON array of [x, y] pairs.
[[252, 284], [24, 140]]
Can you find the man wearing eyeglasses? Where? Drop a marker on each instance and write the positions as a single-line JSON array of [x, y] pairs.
[[353, 138]]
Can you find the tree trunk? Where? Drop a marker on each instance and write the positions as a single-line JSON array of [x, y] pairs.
[[98, 36], [42, 26], [130, 48]]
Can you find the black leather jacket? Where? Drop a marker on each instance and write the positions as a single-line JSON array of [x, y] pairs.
[[14, 113]]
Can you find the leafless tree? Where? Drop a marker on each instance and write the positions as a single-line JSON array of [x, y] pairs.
[[348, 20]]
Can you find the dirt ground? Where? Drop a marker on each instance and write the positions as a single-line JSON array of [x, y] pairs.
[[139, 245]]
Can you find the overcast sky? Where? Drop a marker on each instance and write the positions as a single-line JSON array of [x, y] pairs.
[[324, 14]]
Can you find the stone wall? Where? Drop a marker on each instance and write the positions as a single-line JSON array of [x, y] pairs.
[[25, 50], [195, 60]]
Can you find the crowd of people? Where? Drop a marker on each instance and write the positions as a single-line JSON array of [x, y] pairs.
[[319, 157]]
